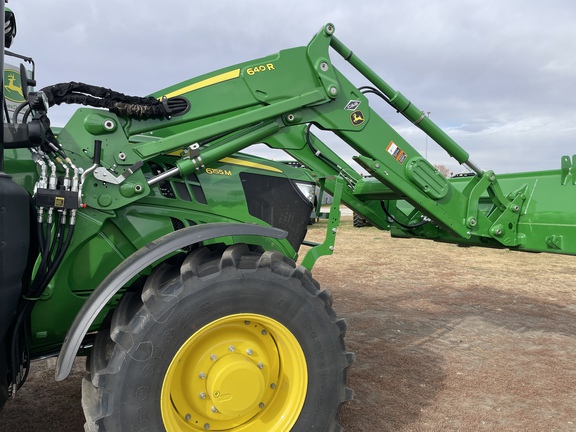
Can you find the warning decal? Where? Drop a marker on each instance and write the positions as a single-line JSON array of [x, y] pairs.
[[396, 152], [352, 105]]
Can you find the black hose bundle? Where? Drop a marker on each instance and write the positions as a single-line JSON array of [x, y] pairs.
[[54, 250], [101, 97]]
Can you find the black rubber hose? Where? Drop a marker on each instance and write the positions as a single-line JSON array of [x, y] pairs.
[[416, 225]]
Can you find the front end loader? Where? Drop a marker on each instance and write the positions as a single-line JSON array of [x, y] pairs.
[[141, 235]]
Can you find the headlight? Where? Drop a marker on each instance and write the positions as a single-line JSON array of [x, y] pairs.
[[308, 190]]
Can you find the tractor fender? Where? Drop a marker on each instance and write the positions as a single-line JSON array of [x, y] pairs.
[[134, 264]]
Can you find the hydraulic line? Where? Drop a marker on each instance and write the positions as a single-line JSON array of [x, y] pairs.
[[341, 171], [118, 103], [53, 242], [38, 287], [391, 216]]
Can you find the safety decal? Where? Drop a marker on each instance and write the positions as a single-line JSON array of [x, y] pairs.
[[396, 152], [357, 118], [352, 105]]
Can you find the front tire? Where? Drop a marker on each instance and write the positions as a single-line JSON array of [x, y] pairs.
[[237, 340]]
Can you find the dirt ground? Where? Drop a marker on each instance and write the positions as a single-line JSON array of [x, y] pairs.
[[446, 339]]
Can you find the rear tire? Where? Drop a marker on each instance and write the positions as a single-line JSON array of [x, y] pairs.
[[238, 340]]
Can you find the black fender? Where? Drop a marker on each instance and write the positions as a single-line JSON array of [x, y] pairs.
[[134, 264]]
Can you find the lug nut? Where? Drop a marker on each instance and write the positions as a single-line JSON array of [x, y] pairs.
[[249, 351]]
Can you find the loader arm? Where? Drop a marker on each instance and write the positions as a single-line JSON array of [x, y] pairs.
[[275, 99]]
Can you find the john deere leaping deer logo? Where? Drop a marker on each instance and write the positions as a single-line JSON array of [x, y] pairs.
[[13, 90], [357, 118]]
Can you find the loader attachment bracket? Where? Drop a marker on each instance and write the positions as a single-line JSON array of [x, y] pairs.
[[327, 247]]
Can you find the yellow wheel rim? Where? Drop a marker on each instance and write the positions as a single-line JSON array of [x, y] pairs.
[[243, 372]]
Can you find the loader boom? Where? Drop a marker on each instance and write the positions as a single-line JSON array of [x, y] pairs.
[[276, 99]]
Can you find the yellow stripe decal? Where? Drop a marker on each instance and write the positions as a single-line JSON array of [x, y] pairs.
[[205, 83], [240, 162]]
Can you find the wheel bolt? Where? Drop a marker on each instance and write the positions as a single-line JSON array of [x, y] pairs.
[[202, 375], [207, 426], [260, 366], [213, 357], [202, 395], [214, 409], [261, 405], [188, 417], [231, 348], [249, 351], [272, 386], [264, 332]]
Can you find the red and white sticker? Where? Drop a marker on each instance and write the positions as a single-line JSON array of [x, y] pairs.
[[396, 152]]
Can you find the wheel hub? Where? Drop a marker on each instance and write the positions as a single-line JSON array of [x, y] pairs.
[[236, 385], [240, 372]]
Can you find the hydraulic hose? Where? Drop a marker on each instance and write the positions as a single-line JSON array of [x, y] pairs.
[[391, 216]]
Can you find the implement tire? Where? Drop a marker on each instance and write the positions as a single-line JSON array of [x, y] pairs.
[[235, 339]]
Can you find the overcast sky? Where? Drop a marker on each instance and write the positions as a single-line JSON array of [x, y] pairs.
[[498, 75]]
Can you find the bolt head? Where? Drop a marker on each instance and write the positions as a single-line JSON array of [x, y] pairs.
[[260, 366], [202, 375], [231, 348], [202, 395], [249, 352], [213, 357]]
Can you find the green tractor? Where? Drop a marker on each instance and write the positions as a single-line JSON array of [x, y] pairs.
[[140, 235]]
